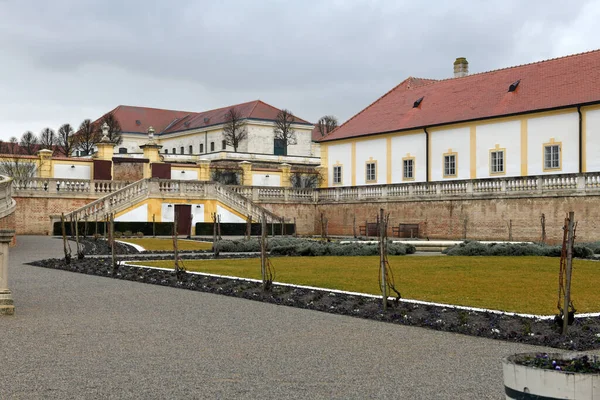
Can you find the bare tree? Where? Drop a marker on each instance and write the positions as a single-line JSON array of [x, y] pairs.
[[234, 130], [12, 147], [114, 128], [29, 143], [284, 133], [66, 140], [47, 139], [326, 124], [86, 137]]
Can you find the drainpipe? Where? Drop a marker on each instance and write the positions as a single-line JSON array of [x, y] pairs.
[[426, 154], [580, 139]]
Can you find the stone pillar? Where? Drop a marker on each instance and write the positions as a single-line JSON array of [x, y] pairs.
[[105, 148], [45, 169], [7, 306], [151, 152], [286, 174], [246, 173], [204, 170]]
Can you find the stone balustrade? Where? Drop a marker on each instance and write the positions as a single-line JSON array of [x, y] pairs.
[[45, 187], [7, 203], [535, 186]]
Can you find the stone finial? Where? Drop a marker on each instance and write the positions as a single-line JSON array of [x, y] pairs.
[[105, 129], [150, 133], [461, 67]]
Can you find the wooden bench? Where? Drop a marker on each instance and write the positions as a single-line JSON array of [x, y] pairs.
[[406, 231], [373, 229]]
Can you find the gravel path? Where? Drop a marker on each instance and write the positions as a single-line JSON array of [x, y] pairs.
[[81, 336]]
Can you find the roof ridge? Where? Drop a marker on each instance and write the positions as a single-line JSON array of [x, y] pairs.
[[153, 108], [253, 108], [369, 106], [279, 109], [521, 65]]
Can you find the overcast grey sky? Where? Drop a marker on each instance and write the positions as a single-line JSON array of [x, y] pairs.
[[66, 60]]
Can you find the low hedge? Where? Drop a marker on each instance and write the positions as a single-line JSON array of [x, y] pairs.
[[474, 248], [162, 228], [239, 229], [305, 247]]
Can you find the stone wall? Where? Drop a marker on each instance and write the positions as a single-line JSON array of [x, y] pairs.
[[128, 171], [32, 216], [486, 219]]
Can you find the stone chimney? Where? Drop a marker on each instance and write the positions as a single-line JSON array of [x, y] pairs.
[[461, 67]]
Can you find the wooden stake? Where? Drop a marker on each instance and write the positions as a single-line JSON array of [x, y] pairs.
[[64, 236], [79, 251], [382, 250], [282, 227], [175, 244], [543, 222], [248, 227], [569, 269], [153, 225], [354, 225], [295, 228], [263, 250], [219, 226], [112, 242]]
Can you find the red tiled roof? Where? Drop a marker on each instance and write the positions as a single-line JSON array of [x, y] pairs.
[[555, 83], [254, 110], [159, 119], [138, 119]]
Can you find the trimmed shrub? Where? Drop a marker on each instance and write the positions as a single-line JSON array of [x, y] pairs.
[[472, 248], [118, 235], [162, 228], [139, 234], [128, 234]]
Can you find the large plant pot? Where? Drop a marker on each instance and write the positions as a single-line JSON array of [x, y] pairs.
[[527, 383]]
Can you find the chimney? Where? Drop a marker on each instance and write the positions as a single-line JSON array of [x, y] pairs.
[[461, 67]]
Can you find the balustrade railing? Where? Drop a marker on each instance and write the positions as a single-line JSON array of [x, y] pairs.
[[7, 204], [56, 186]]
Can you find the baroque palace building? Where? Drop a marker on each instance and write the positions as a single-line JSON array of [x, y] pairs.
[[535, 119], [183, 133]]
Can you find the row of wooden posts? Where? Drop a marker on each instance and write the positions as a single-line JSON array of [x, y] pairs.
[[386, 279]]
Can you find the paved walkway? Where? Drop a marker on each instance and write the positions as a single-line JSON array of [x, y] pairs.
[[80, 336]]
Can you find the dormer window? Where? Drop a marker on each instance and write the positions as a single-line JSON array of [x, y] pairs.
[[513, 86], [417, 103]]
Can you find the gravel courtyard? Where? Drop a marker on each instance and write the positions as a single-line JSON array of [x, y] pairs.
[[81, 336]]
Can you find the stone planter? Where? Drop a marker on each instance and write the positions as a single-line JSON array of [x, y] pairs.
[[525, 382]]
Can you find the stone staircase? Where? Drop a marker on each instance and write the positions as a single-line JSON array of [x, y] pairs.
[[136, 192]]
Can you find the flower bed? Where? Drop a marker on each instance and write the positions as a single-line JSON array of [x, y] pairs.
[[583, 334]]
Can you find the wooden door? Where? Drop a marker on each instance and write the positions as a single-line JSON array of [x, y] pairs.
[[162, 171], [183, 213], [102, 170]]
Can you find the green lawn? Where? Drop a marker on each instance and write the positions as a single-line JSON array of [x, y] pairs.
[[521, 284], [167, 244]]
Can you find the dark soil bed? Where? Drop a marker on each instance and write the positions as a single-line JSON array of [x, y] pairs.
[[584, 334]]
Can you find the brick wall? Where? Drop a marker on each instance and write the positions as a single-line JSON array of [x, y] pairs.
[[304, 213], [32, 216], [9, 222], [479, 219]]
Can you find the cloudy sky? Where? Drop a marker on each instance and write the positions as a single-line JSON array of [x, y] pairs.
[[66, 60]]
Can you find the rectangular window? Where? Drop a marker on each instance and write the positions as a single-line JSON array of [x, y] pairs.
[[371, 172], [224, 144], [191, 149], [212, 146], [174, 151], [181, 150], [201, 147], [408, 169], [450, 165], [497, 162], [279, 148], [552, 156], [166, 151], [337, 174]]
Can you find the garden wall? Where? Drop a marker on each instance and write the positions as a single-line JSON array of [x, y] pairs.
[[486, 219], [32, 216]]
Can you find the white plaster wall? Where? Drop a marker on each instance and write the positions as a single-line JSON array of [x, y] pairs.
[[197, 214], [266, 179], [228, 216], [262, 141], [64, 171], [506, 135], [592, 141], [563, 128], [458, 140], [132, 143], [415, 146], [138, 214], [376, 149], [167, 213], [184, 175], [340, 154]]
